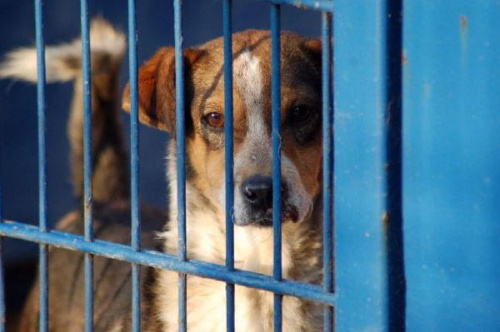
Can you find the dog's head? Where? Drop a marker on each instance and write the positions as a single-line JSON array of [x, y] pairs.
[[204, 85]]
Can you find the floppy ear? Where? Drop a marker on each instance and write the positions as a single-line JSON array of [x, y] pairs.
[[312, 48], [157, 88], [314, 45]]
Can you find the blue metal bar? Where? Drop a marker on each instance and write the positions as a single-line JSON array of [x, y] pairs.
[[87, 164], [390, 17], [89, 292], [229, 156], [373, 106], [134, 163], [2, 282], [328, 150], [160, 260], [42, 164], [87, 122], [180, 133], [276, 148], [321, 5]]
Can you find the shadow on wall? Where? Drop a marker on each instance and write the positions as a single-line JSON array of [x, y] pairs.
[[18, 131]]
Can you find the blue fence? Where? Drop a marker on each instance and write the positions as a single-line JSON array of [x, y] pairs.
[[388, 113], [450, 197]]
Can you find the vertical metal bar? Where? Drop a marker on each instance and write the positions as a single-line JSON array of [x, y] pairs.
[[228, 143], [276, 147], [134, 163], [391, 23], [360, 166], [42, 165], [328, 152], [180, 155], [2, 282], [87, 164]]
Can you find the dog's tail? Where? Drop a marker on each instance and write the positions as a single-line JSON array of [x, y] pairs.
[[64, 63]]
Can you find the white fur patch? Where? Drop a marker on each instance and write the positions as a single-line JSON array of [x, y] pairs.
[[248, 79], [256, 148], [60, 60]]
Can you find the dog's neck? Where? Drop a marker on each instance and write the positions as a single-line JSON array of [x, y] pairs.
[[253, 246], [253, 251]]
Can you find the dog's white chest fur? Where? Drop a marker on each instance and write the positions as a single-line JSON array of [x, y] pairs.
[[207, 298], [206, 304]]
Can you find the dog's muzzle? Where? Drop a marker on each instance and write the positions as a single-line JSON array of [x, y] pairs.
[[257, 192]]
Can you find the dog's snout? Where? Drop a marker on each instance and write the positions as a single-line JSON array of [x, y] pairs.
[[258, 192]]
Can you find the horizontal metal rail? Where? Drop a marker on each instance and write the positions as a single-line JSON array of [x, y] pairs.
[[321, 5], [157, 259]]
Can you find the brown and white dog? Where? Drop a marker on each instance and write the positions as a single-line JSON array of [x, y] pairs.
[[301, 178]]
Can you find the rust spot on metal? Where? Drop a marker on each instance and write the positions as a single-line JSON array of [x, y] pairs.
[[385, 224], [463, 29], [404, 59], [385, 219], [406, 68], [463, 22]]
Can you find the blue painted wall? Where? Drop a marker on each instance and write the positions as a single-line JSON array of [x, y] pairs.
[[452, 164]]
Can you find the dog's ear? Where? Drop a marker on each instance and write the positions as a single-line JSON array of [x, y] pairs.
[[313, 47], [157, 88]]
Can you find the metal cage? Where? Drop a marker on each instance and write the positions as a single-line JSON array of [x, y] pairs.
[[387, 114]]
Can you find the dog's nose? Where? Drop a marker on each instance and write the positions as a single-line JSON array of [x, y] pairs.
[[258, 192]]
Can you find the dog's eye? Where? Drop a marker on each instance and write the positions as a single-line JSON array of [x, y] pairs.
[[304, 121], [214, 119], [300, 114]]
